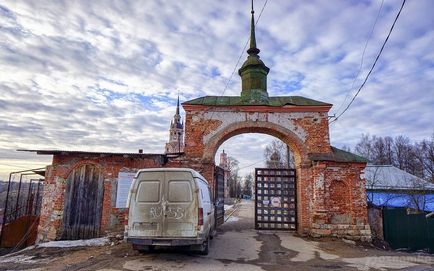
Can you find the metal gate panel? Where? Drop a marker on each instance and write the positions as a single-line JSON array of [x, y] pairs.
[[276, 199], [219, 195]]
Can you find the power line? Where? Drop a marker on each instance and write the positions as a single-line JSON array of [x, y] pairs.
[[236, 66], [14, 165], [363, 57], [373, 66], [263, 160], [242, 52]]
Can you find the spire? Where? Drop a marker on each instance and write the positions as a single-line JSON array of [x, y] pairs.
[[253, 72], [177, 116], [252, 50], [177, 106]]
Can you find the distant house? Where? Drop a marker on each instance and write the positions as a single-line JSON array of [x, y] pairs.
[[390, 186]]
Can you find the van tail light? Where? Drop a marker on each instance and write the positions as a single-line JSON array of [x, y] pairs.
[[200, 217]]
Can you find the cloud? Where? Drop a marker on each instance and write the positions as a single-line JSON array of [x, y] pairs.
[[105, 76]]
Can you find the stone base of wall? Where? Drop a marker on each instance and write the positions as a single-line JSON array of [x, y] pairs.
[[361, 232]]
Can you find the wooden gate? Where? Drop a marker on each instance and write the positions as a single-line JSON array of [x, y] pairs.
[[275, 201], [219, 195], [83, 203]]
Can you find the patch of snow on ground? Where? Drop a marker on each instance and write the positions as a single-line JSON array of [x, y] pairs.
[[77, 243], [17, 259], [232, 219], [227, 207]]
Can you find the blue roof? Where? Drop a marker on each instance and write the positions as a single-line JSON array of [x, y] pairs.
[[424, 202]]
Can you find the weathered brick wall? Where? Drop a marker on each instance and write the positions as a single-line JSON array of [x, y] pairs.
[[50, 225], [331, 197], [339, 201], [207, 128]]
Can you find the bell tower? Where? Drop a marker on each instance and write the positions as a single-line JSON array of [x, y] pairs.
[[176, 134]]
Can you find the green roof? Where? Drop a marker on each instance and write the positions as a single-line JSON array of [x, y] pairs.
[[338, 155], [236, 100]]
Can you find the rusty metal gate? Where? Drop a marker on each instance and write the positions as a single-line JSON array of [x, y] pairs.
[[276, 199], [219, 195], [83, 203], [20, 219]]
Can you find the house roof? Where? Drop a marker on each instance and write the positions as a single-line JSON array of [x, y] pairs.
[[337, 155], [272, 101], [387, 177], [65, 152]]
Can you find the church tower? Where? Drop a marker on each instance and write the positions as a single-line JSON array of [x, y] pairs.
[[176, 136]]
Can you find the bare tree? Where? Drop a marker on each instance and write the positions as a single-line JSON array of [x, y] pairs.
[[425, 156], [248, 184], [234, 178], [416, 158], [278, 155], [364, 147]]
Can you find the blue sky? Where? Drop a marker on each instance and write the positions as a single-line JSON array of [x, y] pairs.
[[100, 75]]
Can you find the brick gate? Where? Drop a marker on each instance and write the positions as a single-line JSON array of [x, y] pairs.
[[331, 196], [330, 187]]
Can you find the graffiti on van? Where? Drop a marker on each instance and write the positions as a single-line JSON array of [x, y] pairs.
[[156, 212], [176, 213]]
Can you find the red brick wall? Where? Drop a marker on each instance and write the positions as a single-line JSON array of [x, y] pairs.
[[339, 205], [55, 185], [331, 197]]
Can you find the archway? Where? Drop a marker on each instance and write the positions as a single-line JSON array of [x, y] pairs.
[[261, 127], [281, 185]]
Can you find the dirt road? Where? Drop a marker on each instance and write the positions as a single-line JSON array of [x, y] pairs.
[[236, 247]]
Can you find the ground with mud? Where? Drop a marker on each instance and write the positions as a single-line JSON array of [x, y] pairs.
[[236, 247]]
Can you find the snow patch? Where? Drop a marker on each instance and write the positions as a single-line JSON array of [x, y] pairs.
[[77, 243], [232, 219], [227, 207], [18, 259]]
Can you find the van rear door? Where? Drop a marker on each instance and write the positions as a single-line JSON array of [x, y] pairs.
[[180, 205], [146, 212]]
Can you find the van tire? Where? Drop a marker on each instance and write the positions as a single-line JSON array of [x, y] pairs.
[[204, 248], [212, 233]]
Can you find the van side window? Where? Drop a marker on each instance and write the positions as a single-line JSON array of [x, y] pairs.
[[180, 191], [148, 191], [205, 191]]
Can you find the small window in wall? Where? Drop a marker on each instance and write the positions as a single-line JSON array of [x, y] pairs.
[[149, 191], [180, 191]]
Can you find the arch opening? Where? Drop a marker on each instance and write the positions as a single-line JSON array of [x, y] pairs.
[[286, 136], [283, 190]]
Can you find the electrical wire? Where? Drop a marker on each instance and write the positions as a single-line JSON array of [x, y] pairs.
[[16, 166], [263, 160], [363, 57], [235, 68], [373, 65]]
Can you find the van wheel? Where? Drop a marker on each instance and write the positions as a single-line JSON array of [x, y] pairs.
[[204, 248], [212, 233]]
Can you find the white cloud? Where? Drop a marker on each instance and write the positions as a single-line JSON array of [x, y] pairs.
[[99, 76]]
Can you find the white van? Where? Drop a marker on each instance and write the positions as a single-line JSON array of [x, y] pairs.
[[170, 207]]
